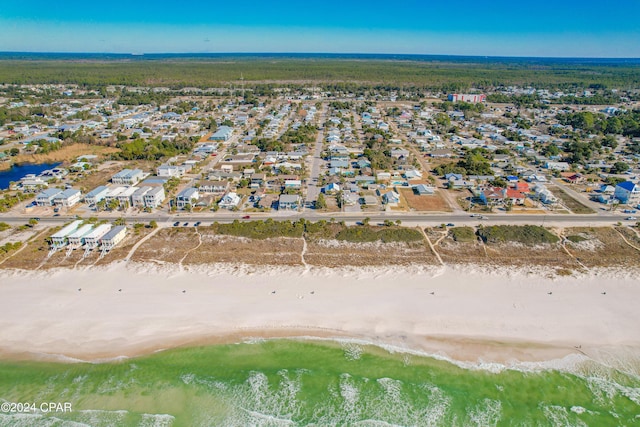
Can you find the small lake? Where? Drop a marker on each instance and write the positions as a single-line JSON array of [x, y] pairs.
[[17, 172]]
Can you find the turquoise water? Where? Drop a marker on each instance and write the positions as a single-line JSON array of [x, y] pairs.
[[311, 383]]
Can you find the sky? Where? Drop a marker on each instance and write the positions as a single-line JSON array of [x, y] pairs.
[[559, 28]]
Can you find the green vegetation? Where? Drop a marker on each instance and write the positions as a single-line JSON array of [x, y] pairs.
[[475, 162], [304, 134], [4, 226], [8, 247], [152, 149], [463, 234], [388, 234], [622, 123], [526, 234], [8, 201], [576, 238], [198, 72], [260, 229]]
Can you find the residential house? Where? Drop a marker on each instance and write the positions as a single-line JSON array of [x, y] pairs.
[[67, 198], [170, 171], [213, 186], [59, 239], [628, 192], [30, 182], [92, 239], [154, 197], [188, 196], [391, 198], [492, 196], [288, 201], [222, 134], [559, 166], [113, 237], [76, 239], [229, 201], [128, 177], [137, 198], [45, 198], [424, 190], [331, 188]]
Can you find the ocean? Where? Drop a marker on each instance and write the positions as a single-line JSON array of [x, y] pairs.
[[320, 383]]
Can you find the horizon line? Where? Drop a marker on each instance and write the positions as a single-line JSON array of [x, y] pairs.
[[355, 54]]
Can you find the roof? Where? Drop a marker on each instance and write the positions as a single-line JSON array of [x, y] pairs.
[[65, 231], [627, 185], [49, 192], [68, 193], [114, 232], [288, 198], [97, 190], [188, 193], [85, 229], [99, 231]]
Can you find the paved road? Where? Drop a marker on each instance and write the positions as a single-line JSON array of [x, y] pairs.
[[406, 218], [312, 188]]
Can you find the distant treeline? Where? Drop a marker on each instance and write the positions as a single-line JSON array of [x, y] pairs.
[[340, 74]]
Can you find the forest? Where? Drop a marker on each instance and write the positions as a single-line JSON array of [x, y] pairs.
[[337, 74]]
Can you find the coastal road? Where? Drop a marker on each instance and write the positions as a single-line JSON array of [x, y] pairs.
[[310, 215]]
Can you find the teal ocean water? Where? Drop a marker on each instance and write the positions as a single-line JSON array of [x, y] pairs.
[[319, 383]]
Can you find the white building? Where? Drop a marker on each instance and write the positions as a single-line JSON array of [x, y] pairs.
[[59, 239], [95, 195], [229, 201], [113, 237], [77, 237], [169, 171], [137, 198], [92, 239], [188, 196], [154, 197], [46, 197], [67, 198], [128, 177]]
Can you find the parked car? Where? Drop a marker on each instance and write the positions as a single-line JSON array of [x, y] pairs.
[[451, 225], [197, 224], [186, 224], [177, 223]]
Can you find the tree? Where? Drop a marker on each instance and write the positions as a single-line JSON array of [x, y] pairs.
[[366, 221], [321, 203], [120, 221], [153, 224], [33, 222], [619, 167]]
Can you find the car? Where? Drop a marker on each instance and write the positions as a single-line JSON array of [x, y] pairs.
[[246, 217], [56, 214], [177, 223], [197, 224], [186, 224], [451, 225], [631, 218], [476, 215]]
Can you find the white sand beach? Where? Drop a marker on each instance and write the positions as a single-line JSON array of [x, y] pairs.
[[133, 309]]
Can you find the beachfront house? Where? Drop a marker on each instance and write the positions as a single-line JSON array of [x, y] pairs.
[[169, 171], [92, 239], [45, 198], [67, 198], [59, 238], [76, 239], [137, 198], [113, 237]]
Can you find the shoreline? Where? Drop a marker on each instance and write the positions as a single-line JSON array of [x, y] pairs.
[[502, 316]]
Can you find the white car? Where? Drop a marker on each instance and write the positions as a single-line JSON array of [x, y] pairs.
[[631, 218]]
